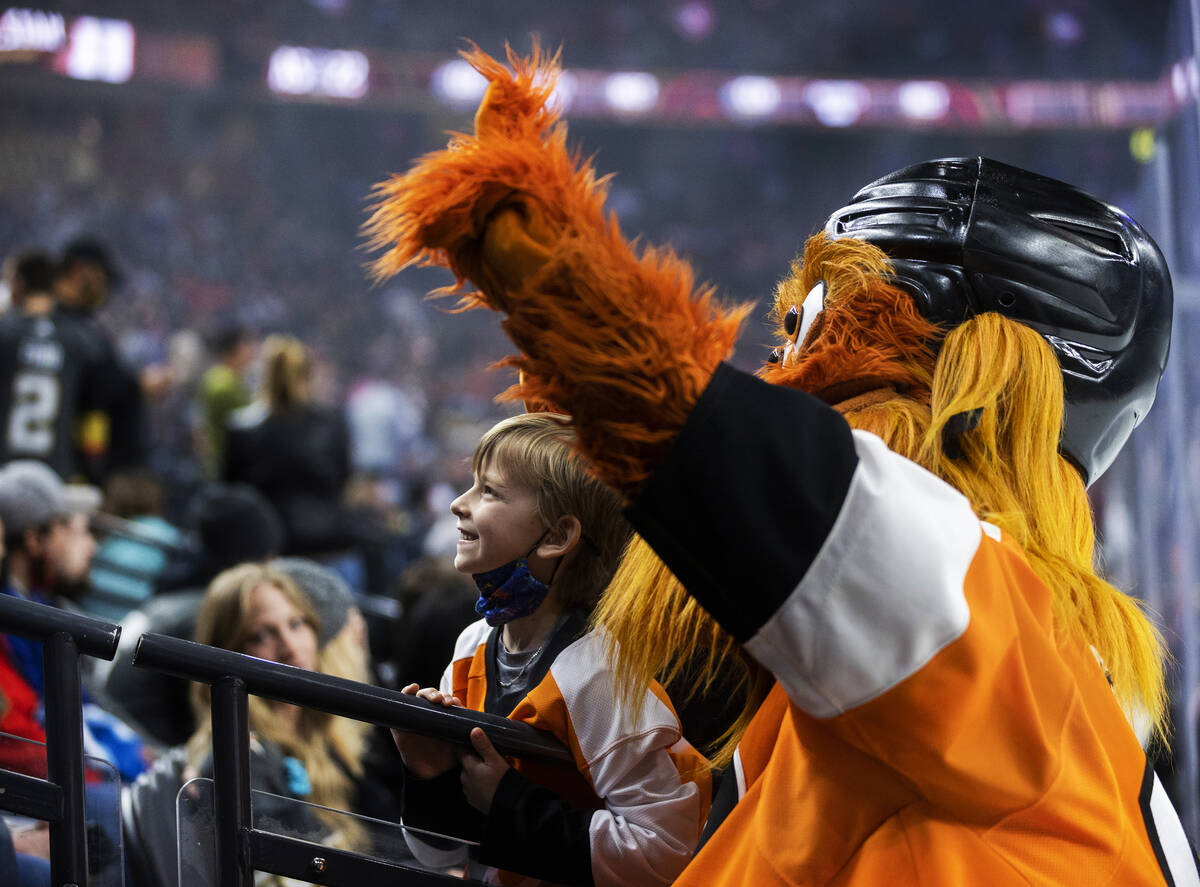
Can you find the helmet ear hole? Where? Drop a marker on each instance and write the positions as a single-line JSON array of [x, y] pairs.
[[1007, 299]]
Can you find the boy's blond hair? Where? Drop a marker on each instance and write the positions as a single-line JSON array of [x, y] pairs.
[[537, 451]]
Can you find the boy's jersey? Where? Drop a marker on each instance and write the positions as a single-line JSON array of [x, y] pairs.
[[928, 726], [649, 788], [48, 380]]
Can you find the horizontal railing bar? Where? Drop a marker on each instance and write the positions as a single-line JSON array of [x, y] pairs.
[[29, 619], [306, 861], [338, 696], [30, 796]]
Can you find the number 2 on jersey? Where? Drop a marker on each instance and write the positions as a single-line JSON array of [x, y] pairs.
[[35, 400]]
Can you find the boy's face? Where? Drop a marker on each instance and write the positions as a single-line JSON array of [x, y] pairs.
[[497, 522]]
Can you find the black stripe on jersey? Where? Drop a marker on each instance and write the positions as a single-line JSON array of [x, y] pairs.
[[1145, 795], [747, 496]]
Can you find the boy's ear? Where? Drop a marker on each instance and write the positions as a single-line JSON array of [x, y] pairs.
[[561, 538]]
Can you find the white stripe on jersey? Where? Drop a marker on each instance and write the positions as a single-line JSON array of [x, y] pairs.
[[885, 592]]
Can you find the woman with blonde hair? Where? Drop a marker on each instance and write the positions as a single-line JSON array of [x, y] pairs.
[[260, 610], [296, 452]]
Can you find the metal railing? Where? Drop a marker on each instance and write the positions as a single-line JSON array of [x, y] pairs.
[[242, 849], [59, 798]]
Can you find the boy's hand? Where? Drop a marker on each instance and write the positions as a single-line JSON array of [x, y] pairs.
[[481, 771], [424, 756]]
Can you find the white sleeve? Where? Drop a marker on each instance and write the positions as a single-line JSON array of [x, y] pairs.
[[650, 823], [651, 819]]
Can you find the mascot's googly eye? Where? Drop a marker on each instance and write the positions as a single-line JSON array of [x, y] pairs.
[[814, 304], [790, 321]]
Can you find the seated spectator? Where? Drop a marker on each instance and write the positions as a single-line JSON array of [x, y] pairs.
[[49, 546], [296, 453], [133, 558], [233, 525], [298, 753], [345, 653]]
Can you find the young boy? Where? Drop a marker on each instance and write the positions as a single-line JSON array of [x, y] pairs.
[[541, 538]]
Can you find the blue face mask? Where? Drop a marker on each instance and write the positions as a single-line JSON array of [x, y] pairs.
[[510, 591]]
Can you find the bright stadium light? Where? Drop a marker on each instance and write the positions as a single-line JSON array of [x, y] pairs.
[[924, 99], [345, 74], [457, 83], [837, 102], [631, 92], [100, 49], [32, 30], [303, 70], [292, 70], [751, 96]]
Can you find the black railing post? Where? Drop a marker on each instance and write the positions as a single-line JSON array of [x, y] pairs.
[[231, 781], [64, 759]]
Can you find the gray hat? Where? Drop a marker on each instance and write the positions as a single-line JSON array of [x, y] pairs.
[[328, 593], [32, 495]]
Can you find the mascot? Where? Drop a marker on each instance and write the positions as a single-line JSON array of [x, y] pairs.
[[885, 534]]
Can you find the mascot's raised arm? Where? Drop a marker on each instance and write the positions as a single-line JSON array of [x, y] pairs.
[[886, 531]]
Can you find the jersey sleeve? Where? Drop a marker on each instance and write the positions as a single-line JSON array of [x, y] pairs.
[[653, 785], [873, 593]]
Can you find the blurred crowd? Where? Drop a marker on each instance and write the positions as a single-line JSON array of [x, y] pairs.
[[1027, 38]]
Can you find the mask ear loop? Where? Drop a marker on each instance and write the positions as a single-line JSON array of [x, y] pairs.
[[557, 560]]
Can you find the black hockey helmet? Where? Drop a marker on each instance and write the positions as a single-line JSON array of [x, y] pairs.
[[968, 235]]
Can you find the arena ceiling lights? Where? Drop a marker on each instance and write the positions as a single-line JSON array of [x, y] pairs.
[[113, 51], [309, 71]]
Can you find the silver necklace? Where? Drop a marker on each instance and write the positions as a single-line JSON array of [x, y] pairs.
[[525, 667]]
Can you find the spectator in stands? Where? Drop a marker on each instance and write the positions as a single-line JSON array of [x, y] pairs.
[[300, 753], [296, 453], [345, 653], [114, 436], [50, 371], [541, 539], [48, 543], [138, 549], [438, 602], [234, 525], [223, 390]]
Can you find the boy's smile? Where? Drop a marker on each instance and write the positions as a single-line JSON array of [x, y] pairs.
[[497, 522]]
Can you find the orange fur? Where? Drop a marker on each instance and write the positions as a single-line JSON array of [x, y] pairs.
[[625, 343], [870, 334]]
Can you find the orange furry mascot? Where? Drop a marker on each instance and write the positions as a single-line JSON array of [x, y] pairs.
[[887, 533]]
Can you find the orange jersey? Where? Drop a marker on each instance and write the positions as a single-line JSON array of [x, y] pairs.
[[928, 726], [649, 788]]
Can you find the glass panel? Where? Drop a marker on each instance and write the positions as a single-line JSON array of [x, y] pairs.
[[102, 811], [287, 817], [196, 860]]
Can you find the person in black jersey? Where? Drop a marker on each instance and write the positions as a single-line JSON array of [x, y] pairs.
[[48, 372], [113, 436]]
